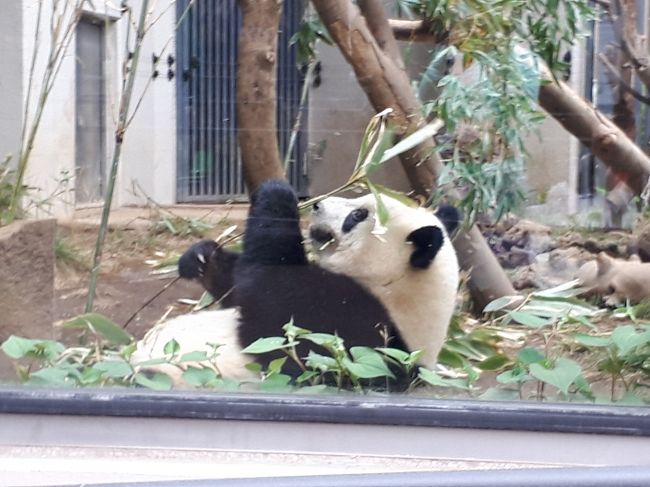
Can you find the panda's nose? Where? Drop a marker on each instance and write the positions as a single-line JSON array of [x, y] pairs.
[[320, 234]]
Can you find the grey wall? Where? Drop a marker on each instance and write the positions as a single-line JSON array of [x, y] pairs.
[[10, 77], [338, 114]]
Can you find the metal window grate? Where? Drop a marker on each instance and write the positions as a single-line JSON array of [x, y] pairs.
[[209, 163]]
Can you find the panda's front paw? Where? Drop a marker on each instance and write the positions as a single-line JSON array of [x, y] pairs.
[[193, 263]]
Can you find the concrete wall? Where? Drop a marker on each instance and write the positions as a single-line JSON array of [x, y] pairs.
[[339, 112], [149, 150], [11, 85]]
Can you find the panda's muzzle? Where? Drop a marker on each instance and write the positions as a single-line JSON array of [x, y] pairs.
[[320, 234]]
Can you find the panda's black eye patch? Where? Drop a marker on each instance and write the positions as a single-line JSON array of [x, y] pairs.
[[354, 217]]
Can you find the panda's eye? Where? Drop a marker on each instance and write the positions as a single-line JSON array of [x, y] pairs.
[[353, 218], [359, 214]]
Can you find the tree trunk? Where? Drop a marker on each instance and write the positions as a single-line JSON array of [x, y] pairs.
[[385, 84], [256, 91], [605, 140], [382, 76]]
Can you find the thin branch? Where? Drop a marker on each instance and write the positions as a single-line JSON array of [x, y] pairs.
[[128, 83], [32, 68], [629, 36], [149, 301], [298, 121], [622, 83]]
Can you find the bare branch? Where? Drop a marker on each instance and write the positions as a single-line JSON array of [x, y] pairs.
[[630, 40], [622, 83]]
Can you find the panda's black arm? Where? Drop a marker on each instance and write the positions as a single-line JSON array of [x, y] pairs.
[[212, 265]]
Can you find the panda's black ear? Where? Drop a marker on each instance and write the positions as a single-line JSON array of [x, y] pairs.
[[450, 217], [426, 241]]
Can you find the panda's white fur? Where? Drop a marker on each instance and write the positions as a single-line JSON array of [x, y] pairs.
[[420, 301], [197, 332]]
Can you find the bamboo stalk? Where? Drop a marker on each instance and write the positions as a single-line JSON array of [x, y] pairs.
[[120, 131]]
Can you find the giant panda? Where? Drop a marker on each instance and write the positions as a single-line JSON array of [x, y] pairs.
[[402, 281]]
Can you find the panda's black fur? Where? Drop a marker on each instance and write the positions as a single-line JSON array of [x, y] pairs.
[[272, 282]]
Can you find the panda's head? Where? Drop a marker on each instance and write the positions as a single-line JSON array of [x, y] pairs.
[[347, 238], [410, 265]]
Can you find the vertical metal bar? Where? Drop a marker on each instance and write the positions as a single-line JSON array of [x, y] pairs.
[[212, 99], [223, 157], [202, 98], [182, 103], [192, 102], [233, 42]]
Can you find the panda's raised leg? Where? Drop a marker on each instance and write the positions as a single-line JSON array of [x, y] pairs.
[[273, 234]]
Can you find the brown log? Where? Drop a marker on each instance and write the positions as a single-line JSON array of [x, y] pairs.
[[256, 91], [386, 84]]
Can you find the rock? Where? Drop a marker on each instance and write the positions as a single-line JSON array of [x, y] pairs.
[[26, 283], [550, 269]]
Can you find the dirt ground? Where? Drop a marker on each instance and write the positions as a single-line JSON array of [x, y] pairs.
[[128, 278]]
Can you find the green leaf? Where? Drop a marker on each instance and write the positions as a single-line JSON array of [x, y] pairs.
[[91, 376], [530, 355], [410, 141], [330, 342], [495, 362], [382, 212], [305, 376], [321, 362], [431, 378], [171, 347], [114, 369], [564, 373], [199, 376], [367, 364], [397, 354], [206, 300], [153, 361], [626, 339], [158, 382], [530, 320], [500, 303], [50, 376], [292, 331], [516, 375], [396, 195], [276, 383], [198, 356], [264, 345], [275, 366], [591, 341], [451, 358], [100, 326], [18, 347]]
